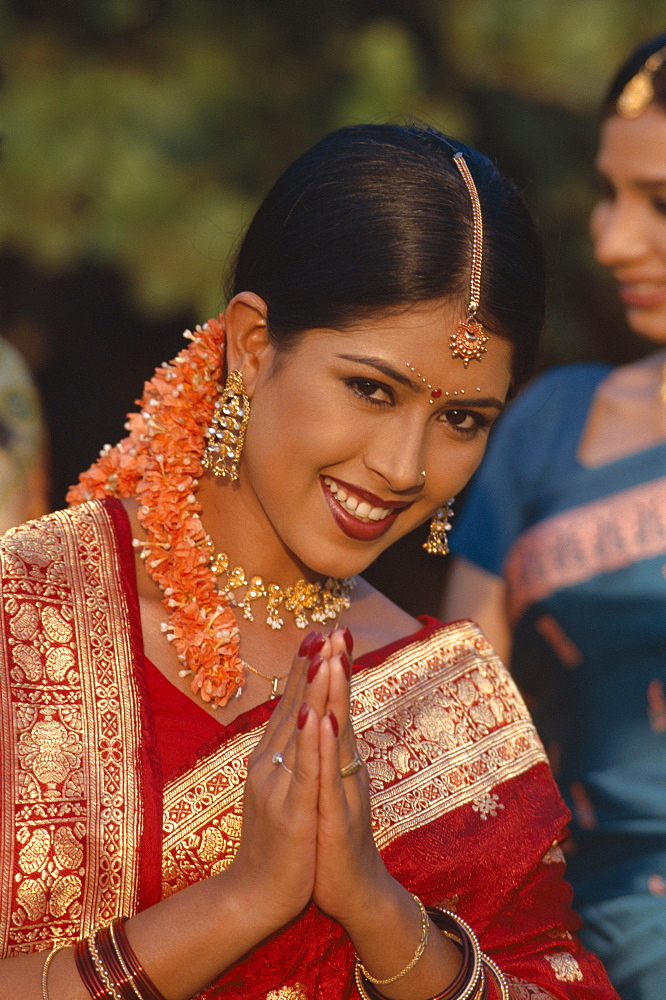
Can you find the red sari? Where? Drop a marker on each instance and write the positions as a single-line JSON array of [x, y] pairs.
[[116, 790]]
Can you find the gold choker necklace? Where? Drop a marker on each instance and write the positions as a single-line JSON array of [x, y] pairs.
[[308, 602]]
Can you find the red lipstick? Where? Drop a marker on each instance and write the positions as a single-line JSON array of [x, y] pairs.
[[353, 527]]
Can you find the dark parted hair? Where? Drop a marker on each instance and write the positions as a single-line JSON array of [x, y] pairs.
[[375, 218], [632, 65]]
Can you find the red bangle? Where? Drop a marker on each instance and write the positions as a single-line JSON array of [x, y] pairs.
[[88, 973], [141, 984], [122, 977]]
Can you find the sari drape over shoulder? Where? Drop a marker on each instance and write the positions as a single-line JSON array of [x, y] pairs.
[[581, 550], [465, 811]]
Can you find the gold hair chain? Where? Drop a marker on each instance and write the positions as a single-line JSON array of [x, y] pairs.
[[469, 340]]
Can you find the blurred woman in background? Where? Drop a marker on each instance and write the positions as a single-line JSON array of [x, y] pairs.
[[560, 557]]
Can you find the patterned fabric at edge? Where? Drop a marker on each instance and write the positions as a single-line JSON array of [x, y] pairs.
[[582, 551], [465, 810]]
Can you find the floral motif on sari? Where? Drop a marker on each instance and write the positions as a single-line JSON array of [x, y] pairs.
[[69, 726]]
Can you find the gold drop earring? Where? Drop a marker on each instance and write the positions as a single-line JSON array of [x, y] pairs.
[[436, 544], [226, 434]]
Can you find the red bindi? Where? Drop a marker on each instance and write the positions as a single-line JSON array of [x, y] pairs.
[[436, 393]]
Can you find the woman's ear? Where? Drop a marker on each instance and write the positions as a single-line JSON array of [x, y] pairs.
[[248, 347]]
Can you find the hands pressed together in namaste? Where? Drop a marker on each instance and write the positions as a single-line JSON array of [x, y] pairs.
[[307, 833], [307, 828]]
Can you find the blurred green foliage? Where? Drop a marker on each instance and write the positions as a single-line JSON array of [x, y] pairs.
[[139, 134]]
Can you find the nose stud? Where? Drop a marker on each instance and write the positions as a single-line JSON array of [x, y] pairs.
[[423, 473]]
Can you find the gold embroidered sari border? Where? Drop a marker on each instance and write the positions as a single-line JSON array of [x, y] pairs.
[[439, 723], [72, 816], [212, 786], [113, 709]]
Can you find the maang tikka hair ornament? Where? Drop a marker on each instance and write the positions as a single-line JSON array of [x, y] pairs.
[[224, 440], [436, 544], [469, 340], [638, 92]]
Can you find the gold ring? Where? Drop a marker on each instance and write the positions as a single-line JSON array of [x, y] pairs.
[[352, 767], [278, 760]]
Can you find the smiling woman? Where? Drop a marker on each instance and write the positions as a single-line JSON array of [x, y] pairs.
[[196, 800]]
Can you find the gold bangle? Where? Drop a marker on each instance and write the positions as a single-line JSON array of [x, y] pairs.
[[421, 947], [45, 971]]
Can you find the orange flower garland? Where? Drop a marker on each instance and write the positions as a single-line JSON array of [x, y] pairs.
[[159, 464]]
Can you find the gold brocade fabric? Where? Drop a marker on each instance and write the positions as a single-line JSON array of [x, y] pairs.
[[439, 724], [69, 732]]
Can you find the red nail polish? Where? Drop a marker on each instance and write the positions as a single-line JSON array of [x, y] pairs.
[[302, 715], [349, 639], [315, 663], [306, 645], [346, 666], [334, 722], [317, 643]]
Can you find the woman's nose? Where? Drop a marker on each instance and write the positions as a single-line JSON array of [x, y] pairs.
[[619, 232], [397, 457]]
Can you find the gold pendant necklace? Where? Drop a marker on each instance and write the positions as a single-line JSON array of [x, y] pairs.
[[273, 678], [320, 601]]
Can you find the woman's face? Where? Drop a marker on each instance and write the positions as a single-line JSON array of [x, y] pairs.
[[628, 225], [342, 427]]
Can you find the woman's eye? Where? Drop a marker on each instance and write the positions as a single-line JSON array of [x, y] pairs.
[[465, 421], [373, 391]]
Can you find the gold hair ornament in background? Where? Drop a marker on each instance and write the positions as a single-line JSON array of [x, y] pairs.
[[469, 339], [436, 544], [224, 440], [639, 90]]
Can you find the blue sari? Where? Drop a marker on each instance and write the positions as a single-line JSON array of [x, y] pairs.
[[582, 551]]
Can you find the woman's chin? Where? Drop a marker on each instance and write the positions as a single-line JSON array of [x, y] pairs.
[[649, 324]]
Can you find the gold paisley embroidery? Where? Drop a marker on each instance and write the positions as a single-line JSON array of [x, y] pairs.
[[65, 891], [55, 627], [67, 847], [565, 967], [58, 662], [29, 660], [212, 845], [295, 992], [23, 619], [31, 895], [32, 857]]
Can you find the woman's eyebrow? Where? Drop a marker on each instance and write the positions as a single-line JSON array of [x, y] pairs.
[[386, 369], [484, 402]]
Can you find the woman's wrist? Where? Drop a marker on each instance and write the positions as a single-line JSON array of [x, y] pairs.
[[250, 904], [389, 934]]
